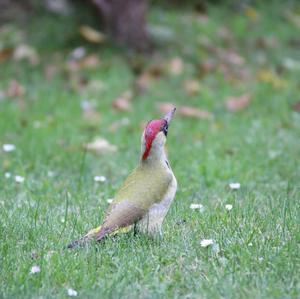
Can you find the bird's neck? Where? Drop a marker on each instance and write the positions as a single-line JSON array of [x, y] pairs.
[[156, 155]]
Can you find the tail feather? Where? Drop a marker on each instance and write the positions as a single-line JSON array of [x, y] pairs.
[[98, 235]]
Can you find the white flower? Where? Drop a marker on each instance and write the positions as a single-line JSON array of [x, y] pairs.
[[250, 244], [7, 175], [100, 178], [195, 206], [109, 200], [206, 242], [35, 269], [8, 147], [228, 207], [235, 186], [51, 173], [72, 293], [19, 179]]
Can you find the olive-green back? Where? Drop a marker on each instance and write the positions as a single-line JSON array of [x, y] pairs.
[[146, 185]]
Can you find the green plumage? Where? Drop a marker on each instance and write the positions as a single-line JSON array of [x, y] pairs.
[[146, 185]]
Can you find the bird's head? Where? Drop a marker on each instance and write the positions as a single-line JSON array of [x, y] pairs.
[[155, 135]]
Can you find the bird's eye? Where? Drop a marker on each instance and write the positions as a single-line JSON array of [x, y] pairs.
[[165, 129]]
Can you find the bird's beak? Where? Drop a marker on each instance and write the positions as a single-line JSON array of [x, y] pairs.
[[168, 117]]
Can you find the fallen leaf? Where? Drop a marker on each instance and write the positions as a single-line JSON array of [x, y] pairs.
[[231, 56], [291, 64], [294, 42], [225, 34], [60, 7], [194, 112], [26, 52], [100, 146], [91, 34], [192, 87], [234, 104], [92, 116], [251, 13], [90, 61], [176, 66], [207, 66], [165, 107], [270, 77], [145, 79], [50, 71], [296, 106], [15, 89], [123, 102], [5, 53], [266, 42], [185, 111], [293, 18]]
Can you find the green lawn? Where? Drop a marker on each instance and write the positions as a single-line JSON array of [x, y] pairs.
[[256, 244]]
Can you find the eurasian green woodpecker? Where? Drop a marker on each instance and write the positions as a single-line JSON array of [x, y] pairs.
[[146, 195]]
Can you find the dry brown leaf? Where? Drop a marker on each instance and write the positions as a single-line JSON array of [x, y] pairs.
[[185, 111], [231, 57], [192, 87], [90, 61], [151, 74], [225, 34], [268, 76], [165, 107], [251, 13], [192, 112], [92, 116], [91, 34], [100, 146], [234, 104], [5, 53], [50, 71], [15, 89], [296, 106], [123, 102], [207, 66], [176, 66], [293, 18], [26, 52]]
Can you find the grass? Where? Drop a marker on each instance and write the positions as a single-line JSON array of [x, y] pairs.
[[258, 240]]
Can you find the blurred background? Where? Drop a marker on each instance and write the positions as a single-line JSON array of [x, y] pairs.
[[79, 79]]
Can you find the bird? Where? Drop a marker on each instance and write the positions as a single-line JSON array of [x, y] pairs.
[[146, 195]]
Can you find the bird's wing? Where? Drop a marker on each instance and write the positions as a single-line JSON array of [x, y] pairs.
[[142, 188]]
